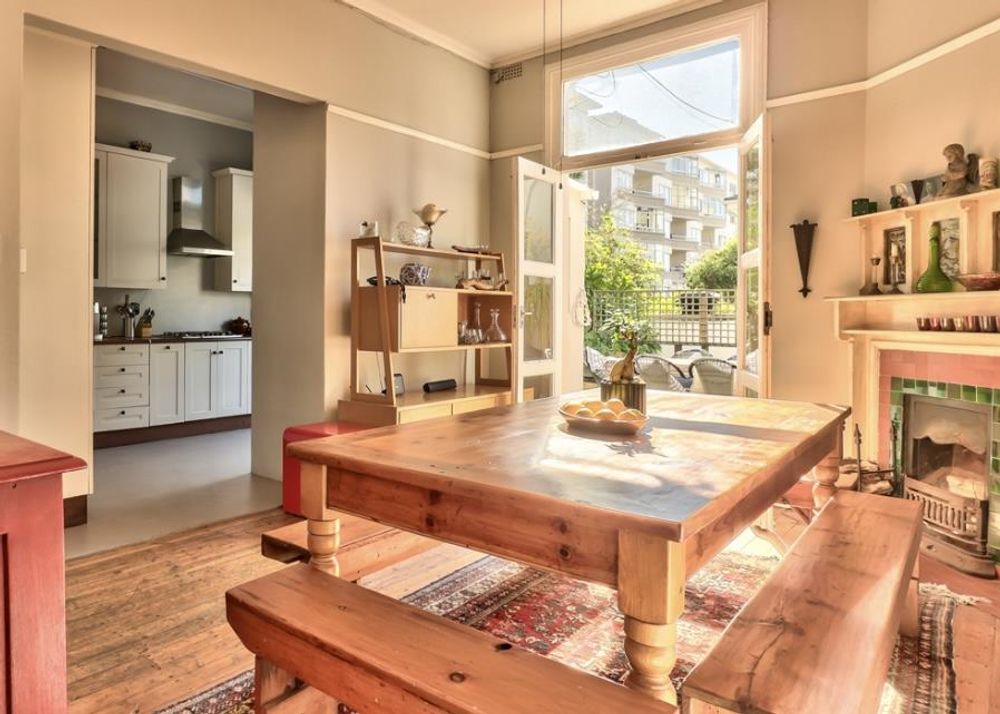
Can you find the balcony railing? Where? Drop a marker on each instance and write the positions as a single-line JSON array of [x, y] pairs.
[[678, 317]]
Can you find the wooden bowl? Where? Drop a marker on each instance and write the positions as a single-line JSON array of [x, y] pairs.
[[604, 426], [980, 281]]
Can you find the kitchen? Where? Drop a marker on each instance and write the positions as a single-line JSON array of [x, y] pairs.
[[173, 232]]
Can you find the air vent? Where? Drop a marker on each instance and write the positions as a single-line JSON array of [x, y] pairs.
[[511, 71]]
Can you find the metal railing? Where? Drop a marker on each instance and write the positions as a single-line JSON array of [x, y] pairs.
[[706, 318]]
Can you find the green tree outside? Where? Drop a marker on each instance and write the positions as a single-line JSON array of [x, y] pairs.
[[714, 270]]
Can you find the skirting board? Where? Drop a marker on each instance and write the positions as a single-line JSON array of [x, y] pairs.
[[74, 511], [125, 437]]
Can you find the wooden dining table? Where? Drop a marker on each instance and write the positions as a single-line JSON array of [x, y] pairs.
[[640, 513]]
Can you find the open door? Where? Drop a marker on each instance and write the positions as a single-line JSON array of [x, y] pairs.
[[753, 307], [539, 252]]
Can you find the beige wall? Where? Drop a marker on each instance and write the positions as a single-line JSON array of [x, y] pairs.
[[11, 52], [374, 174], [288, 248], [56, 158]]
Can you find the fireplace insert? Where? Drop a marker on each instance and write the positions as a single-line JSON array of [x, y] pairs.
[[946, 444]]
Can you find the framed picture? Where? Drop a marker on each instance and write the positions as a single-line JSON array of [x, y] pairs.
[[996, 240], [950, 247], [894, 246]]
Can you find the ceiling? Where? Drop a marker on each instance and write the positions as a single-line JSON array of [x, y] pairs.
[[493, 33]]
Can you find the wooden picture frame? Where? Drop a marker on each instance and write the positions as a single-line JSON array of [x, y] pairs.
[[890, 236]]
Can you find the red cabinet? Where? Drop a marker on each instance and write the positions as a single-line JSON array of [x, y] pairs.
[[33, 614]]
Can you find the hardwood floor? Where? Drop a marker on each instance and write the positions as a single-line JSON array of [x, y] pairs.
[[147, 623]]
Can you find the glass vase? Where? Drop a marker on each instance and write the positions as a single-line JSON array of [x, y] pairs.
[[494, 333], [934, 279]]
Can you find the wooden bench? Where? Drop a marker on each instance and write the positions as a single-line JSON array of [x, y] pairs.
[[819, 634], [365, 546], [320, 640]]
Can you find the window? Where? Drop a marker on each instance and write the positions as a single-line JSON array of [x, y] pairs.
[[677, 95], [649, 220], [623, 180], [692, 87], [659, 254], [624, 217], [694, 232]]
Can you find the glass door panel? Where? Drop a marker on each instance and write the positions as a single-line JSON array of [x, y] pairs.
[[538, 220], [539, 321], [752, 358]]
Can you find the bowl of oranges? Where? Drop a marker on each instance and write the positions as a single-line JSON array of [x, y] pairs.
[[610, 417]]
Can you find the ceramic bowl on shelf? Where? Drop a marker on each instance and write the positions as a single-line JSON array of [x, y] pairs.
[[980, 281]]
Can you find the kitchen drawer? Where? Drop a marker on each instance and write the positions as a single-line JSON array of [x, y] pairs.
[[121, 355], [431, 411], [474, 405], [126, 418], [118, 397], [130, 377]]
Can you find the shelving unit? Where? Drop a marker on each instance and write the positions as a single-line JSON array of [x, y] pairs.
[[394, 320], [978, 249]]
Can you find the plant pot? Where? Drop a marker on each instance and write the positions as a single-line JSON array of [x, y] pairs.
[[633, 394]]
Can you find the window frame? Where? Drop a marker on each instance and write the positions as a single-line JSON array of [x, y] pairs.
[[748, 25]]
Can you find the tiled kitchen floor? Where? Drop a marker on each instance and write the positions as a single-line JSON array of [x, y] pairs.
[[149, 490]]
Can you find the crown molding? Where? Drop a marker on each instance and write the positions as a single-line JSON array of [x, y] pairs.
[[172, 108]]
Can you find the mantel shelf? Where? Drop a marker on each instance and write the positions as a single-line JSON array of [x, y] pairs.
[[920, 297], [954, 201], [936, 337]]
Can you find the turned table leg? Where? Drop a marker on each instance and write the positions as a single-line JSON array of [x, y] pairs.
[[323, 527], [651, 596], [826, 473]]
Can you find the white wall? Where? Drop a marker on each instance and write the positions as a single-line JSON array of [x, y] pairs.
[[55, 374]]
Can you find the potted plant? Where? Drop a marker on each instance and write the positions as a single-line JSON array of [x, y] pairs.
[[624, 381]]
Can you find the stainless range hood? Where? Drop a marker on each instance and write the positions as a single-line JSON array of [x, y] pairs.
[[188, 236]]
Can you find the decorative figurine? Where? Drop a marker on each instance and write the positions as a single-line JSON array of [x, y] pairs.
[[902, 196], [934, 280], [871, 288], [624, 381], [955, 179], [429, 215], [918, 190]]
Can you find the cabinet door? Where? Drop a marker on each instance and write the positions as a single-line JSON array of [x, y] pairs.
[[136, 223], [233, 363], [100, 219], [242, 233], [166, 383], [199, 380]]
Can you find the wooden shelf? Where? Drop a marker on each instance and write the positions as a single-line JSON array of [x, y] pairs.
[[954, 201], [449, 348], [411, 400], [436, 252], [919, 297], [985, 339]]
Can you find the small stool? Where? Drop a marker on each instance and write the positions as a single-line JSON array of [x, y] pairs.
[[290, 467]]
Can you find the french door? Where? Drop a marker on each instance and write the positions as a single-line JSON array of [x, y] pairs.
[[753, 314], [539, 252]]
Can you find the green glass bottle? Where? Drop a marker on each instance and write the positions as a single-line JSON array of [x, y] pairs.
[[934, 280]]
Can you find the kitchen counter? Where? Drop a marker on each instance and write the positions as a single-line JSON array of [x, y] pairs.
[[160, 339]]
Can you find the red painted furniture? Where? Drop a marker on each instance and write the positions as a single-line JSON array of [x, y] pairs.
[[290, 469], [32, 576]]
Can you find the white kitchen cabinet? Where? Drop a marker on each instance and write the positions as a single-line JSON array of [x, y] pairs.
[[130, 219], [234, 228], [121, 387], [166, 383], [217, 379]]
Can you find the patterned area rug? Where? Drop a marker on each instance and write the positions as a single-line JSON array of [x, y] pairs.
[[577, 623]]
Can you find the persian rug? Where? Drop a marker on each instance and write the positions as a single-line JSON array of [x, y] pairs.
[[578, 624]]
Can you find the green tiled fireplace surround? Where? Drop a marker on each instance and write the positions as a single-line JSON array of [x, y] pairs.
[[894, 384]]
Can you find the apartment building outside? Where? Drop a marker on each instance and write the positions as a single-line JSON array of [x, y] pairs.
[[677, 207]]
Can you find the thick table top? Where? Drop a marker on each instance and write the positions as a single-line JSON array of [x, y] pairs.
[[697, 458], [21, 459]]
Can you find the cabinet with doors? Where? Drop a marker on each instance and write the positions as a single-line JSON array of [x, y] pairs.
[[121, 387], [130, 218], [166, 383], [234, 228], [217, 379]]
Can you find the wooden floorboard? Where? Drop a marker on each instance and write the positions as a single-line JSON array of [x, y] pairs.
[[147, 623]]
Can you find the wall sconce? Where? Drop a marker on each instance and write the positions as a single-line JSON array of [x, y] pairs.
[[803, 246]]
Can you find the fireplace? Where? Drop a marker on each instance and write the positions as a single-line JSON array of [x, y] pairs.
[[946, 467]]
